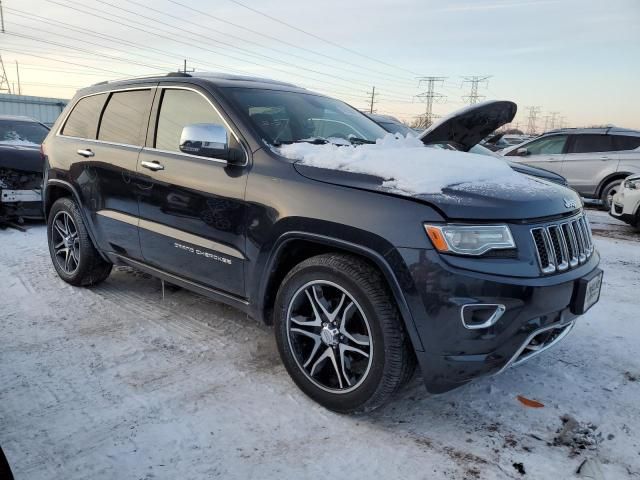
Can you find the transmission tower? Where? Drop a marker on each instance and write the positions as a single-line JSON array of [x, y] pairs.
[[372, 99], [531, 121], [4, 80], [429, 97], [553, 119], [475, 81]]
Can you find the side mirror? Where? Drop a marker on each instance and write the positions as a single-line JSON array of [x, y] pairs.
[[205, 140], [522, 152]]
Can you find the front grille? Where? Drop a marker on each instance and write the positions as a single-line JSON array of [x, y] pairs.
[[563, 245]]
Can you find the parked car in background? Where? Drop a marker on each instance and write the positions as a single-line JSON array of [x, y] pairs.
[[392, 124], [21, 167], [464, 128], [500, 141], [626, 202], [593, 160]]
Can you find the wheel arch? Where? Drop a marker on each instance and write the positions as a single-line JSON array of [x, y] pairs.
[[609, 178], [55, 189], [294, 247]]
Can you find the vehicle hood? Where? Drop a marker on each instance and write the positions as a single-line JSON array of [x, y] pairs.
[[468, 126], [538, 172], [535, 198], [25, 158]]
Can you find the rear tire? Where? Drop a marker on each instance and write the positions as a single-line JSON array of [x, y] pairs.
[[358, 354], [609, 190], [72, 252]]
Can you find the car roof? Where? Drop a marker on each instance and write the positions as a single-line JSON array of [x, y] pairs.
[[212, 78], [607, 130], [18, 118]]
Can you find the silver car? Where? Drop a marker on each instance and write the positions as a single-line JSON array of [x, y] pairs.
[[593, 160]]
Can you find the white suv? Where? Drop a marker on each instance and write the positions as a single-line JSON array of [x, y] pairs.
[[593, 160], [626, 203]]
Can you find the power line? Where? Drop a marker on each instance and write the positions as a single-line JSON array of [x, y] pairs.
[[475, 81], [429, 96], [330, 42], [180, 40]]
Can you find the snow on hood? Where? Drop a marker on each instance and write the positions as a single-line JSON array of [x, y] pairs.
[[19, 143], [405, 164]]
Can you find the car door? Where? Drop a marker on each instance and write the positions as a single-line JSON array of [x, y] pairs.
[[590, 158], [192, 209], [106, 132], [546, 152]]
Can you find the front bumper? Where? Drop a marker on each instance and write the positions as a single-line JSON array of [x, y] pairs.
[[626, 206], [537, 315]]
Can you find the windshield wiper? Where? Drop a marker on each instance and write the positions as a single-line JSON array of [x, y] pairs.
[[312, 140], [360, 141]]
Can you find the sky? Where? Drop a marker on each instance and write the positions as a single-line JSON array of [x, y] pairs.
[[577, 58]]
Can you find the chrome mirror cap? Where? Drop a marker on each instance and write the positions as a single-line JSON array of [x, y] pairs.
[[205, 140]]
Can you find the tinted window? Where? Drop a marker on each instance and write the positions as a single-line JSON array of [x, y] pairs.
[[83, 121], [592, 143], [625, 142], [124, 117], [546, 146], [22, 133], [180, 108]]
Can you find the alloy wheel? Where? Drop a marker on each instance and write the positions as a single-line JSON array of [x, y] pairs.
[[329, 336], [66, 244]]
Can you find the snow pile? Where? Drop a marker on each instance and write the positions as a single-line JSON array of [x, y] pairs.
[[406, 164]]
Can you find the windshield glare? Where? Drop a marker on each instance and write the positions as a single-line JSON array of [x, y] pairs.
[[287, 117], [22, 133]]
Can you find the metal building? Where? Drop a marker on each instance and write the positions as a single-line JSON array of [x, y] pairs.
[[43, 109]]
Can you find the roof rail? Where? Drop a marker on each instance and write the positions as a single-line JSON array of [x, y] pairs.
[[142, 77]]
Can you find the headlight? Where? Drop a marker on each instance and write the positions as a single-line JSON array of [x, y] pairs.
[[632, 184], [470, 239]]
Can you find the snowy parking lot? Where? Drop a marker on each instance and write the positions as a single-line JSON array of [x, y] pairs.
[[115, 382]]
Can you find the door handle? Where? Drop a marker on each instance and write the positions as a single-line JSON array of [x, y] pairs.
[[155, 166], [605, 158], [86, 153]]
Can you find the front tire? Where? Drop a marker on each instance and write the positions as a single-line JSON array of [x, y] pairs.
[[340, 335], [73, 254], [609, 190]]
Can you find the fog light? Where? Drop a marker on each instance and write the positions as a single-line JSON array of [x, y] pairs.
[[481, 315]]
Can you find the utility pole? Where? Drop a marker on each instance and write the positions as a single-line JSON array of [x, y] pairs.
[[4, 80], [553, 119], [18, 75], [1, 18], [531, 121], [372, 101], [475, 81], [429, 97]]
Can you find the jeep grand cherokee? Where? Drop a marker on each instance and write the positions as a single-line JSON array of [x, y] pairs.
[[183, 177]]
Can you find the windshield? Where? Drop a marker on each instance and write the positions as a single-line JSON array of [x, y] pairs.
[[22, 133], [398, 128], [288, 117]]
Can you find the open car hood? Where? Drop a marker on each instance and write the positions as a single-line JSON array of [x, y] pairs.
[[467, 126]]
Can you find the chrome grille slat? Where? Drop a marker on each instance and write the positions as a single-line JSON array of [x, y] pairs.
[[563, 245]]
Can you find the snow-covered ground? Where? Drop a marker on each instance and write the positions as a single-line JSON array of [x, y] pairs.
[[115, 382]]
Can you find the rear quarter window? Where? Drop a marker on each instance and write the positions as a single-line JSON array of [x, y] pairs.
[[626, 142], [83, 120]]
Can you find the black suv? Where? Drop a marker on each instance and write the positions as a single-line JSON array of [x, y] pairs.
[[183, 177]]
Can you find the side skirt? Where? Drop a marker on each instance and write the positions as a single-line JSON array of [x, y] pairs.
[[217, 295]]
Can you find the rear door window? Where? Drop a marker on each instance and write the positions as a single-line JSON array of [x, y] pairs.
[[83, 120], [591, 143], [125, 117], [626, 142]]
